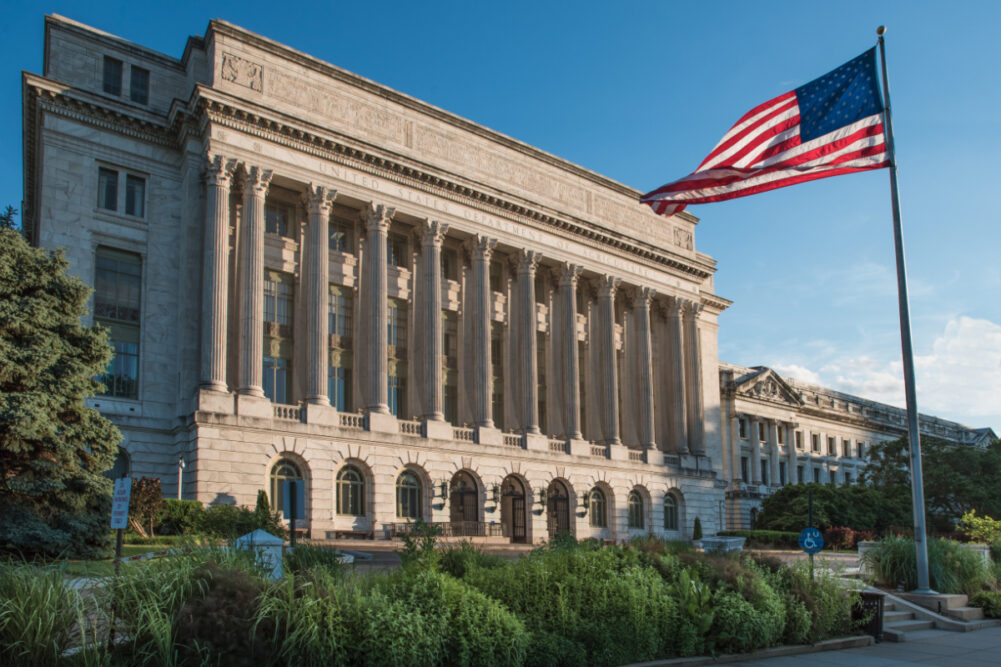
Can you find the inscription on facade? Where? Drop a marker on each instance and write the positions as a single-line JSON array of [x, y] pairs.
[[242, 72]]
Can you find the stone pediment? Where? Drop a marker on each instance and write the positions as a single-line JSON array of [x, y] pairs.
[[764, 384]]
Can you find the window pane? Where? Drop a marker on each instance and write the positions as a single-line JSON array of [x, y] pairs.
[[112, 76], [107, 189], [135, 195], [139, 85], [340, 236]]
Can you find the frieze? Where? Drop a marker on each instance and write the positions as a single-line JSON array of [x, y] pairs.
[[242, 72], [683, 238]]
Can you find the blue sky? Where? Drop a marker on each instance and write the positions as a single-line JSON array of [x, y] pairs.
[[640, 92]]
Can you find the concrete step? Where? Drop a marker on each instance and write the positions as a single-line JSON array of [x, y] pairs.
[[902, 630], [965, 613], [896, 616]]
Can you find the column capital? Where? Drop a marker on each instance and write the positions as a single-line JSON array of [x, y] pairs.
[[378, 216], [645, 296], [319, 199], [432, 232], [677, 306], [569, 274], [219, 170], [693, 308], [481, 247], [256, 180], [607, 285], [527, 261]]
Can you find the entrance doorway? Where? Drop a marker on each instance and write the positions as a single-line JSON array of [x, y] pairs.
[[463, 505], [513, 510], [558, 508]]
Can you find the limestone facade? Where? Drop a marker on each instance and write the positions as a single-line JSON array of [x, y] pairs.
[[304, 270]]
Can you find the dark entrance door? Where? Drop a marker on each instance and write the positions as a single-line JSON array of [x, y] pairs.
[[463, 511], [558, 508], [513, 510]]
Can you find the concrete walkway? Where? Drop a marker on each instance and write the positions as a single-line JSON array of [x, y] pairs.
[[933, 647]]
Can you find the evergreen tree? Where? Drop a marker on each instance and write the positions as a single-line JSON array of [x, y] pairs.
[[53, 449]]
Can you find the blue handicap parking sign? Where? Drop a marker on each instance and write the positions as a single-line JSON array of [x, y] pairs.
[[810, 540]]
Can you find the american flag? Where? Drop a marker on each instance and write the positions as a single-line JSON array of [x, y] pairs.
[[830, 126]]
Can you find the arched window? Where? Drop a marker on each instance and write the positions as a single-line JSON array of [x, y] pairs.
[[350, 492], [635, 510], [598, 516], [670, 513], [408, 496], [283, 474]]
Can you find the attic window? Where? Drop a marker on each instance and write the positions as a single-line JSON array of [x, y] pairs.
[[112, 76]]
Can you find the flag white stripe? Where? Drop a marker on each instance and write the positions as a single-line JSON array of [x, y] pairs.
[[830, 137], [737, 129], [753, 136]]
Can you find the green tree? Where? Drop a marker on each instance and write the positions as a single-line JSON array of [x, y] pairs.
[[856, 507], [53, 449], [7, 218], [145, 504]]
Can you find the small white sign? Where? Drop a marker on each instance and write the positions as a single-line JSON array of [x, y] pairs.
[[120, 503]]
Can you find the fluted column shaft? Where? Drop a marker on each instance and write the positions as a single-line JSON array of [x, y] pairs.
[[755, 450], [679, 413], [693, 375], [645, 344], [432, 233], [791, 454], [252, 281], [735, 472], [528, 262], [773, 452], [317, 280], [481, 249], [610, 381], [215, 280], [377, 218], [570, 380]]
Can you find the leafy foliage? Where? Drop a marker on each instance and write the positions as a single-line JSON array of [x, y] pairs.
[[989, 601], [857, 507], [178, 517], [980, 528], [765, 539], [951, 568], [53, 449], [7, 218], [697, 529], [145, 504]]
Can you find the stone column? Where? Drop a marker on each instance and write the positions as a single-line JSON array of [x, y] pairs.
[[610, 381], [432, 233], [755, 450], [792, 461], [570, 375], [481, 249], [735, 473], [252, 281], [773, 452], [317, 282], [377, 218], [679, 413], [646, 414], [215, 278], [528, 262], [693, 375]]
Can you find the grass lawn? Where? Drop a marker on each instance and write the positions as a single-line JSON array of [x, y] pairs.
[[106, 567]]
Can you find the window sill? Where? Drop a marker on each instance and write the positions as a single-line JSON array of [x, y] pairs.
[[138, 222]]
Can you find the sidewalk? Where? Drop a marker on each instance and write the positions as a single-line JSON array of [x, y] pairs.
[[953, 649]]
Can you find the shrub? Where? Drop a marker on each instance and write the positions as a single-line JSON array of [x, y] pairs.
[[232, 521], [951, 568], [457, 560], [697, 529], [839, 537], [989, 601], [824, 598], [305, 556], [981, 529], [180, 517], [766, 539], [419, 546], [37, 614], [145, 504]]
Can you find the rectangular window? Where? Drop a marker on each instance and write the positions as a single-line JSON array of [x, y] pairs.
[[846, 448], [496, 276], [339, 309], [799, 440], [799, 474], [450, 363], [861, 450], [816, 475], [761, 432], [781, 435], [277, 379], [278, 298], [764, 472], [815, 442], [745, 473], [107, 189], [341, 238], [135, 195], [782, 473], [397, 392], [742, 428], [139, 85], [540, 288], [497, 366], [396, 250], [540, 341], [848, 478], [397, 323], [117, 297], [278, 218], [339, 383], [449, 264], [832, 447], [112, 76]]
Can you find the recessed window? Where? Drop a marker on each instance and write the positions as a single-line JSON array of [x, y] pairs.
[[278, 218], [816, 475], [117, 296], [745, 469], [112, 76], [635, 510], [408, 496], [139, 85], [496, 277], [350, 492], [396, 250], [283, 474], [670, 513], [107, 189], [599, 519], [135, 195], [762, 436], [340, 236], [764, 472], [742, 428], [799, 440], [449, 264]]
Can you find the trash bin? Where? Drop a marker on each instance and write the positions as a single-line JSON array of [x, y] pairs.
[[868, 613]]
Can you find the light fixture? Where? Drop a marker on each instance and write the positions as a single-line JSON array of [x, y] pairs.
[[444, 490], [496, 494], [542, 498]]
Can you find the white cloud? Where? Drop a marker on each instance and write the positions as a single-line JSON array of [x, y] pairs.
[[797, 373]]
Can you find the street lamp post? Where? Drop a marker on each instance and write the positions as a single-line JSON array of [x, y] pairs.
[[180, 475]]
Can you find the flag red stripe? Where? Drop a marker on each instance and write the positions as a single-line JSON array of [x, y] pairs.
[[731, 137]]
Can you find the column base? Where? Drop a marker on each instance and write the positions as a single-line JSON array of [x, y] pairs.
[[438, 429], [248, 405], [382, 422], [325, 415], [488, 435], [210, 400], [317, 400]]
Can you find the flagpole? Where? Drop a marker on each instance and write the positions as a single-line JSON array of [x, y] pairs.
[[914, 436]]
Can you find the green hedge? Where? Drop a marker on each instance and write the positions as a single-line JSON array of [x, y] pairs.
[[766, 539]]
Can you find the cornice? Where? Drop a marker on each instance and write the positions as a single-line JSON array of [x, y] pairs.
[[237, 114], [326, 69]]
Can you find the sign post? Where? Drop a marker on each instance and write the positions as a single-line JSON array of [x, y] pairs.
[[810, 539], [119, 521]]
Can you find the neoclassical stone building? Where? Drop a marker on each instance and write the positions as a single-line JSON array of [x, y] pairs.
[[308, 276]]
